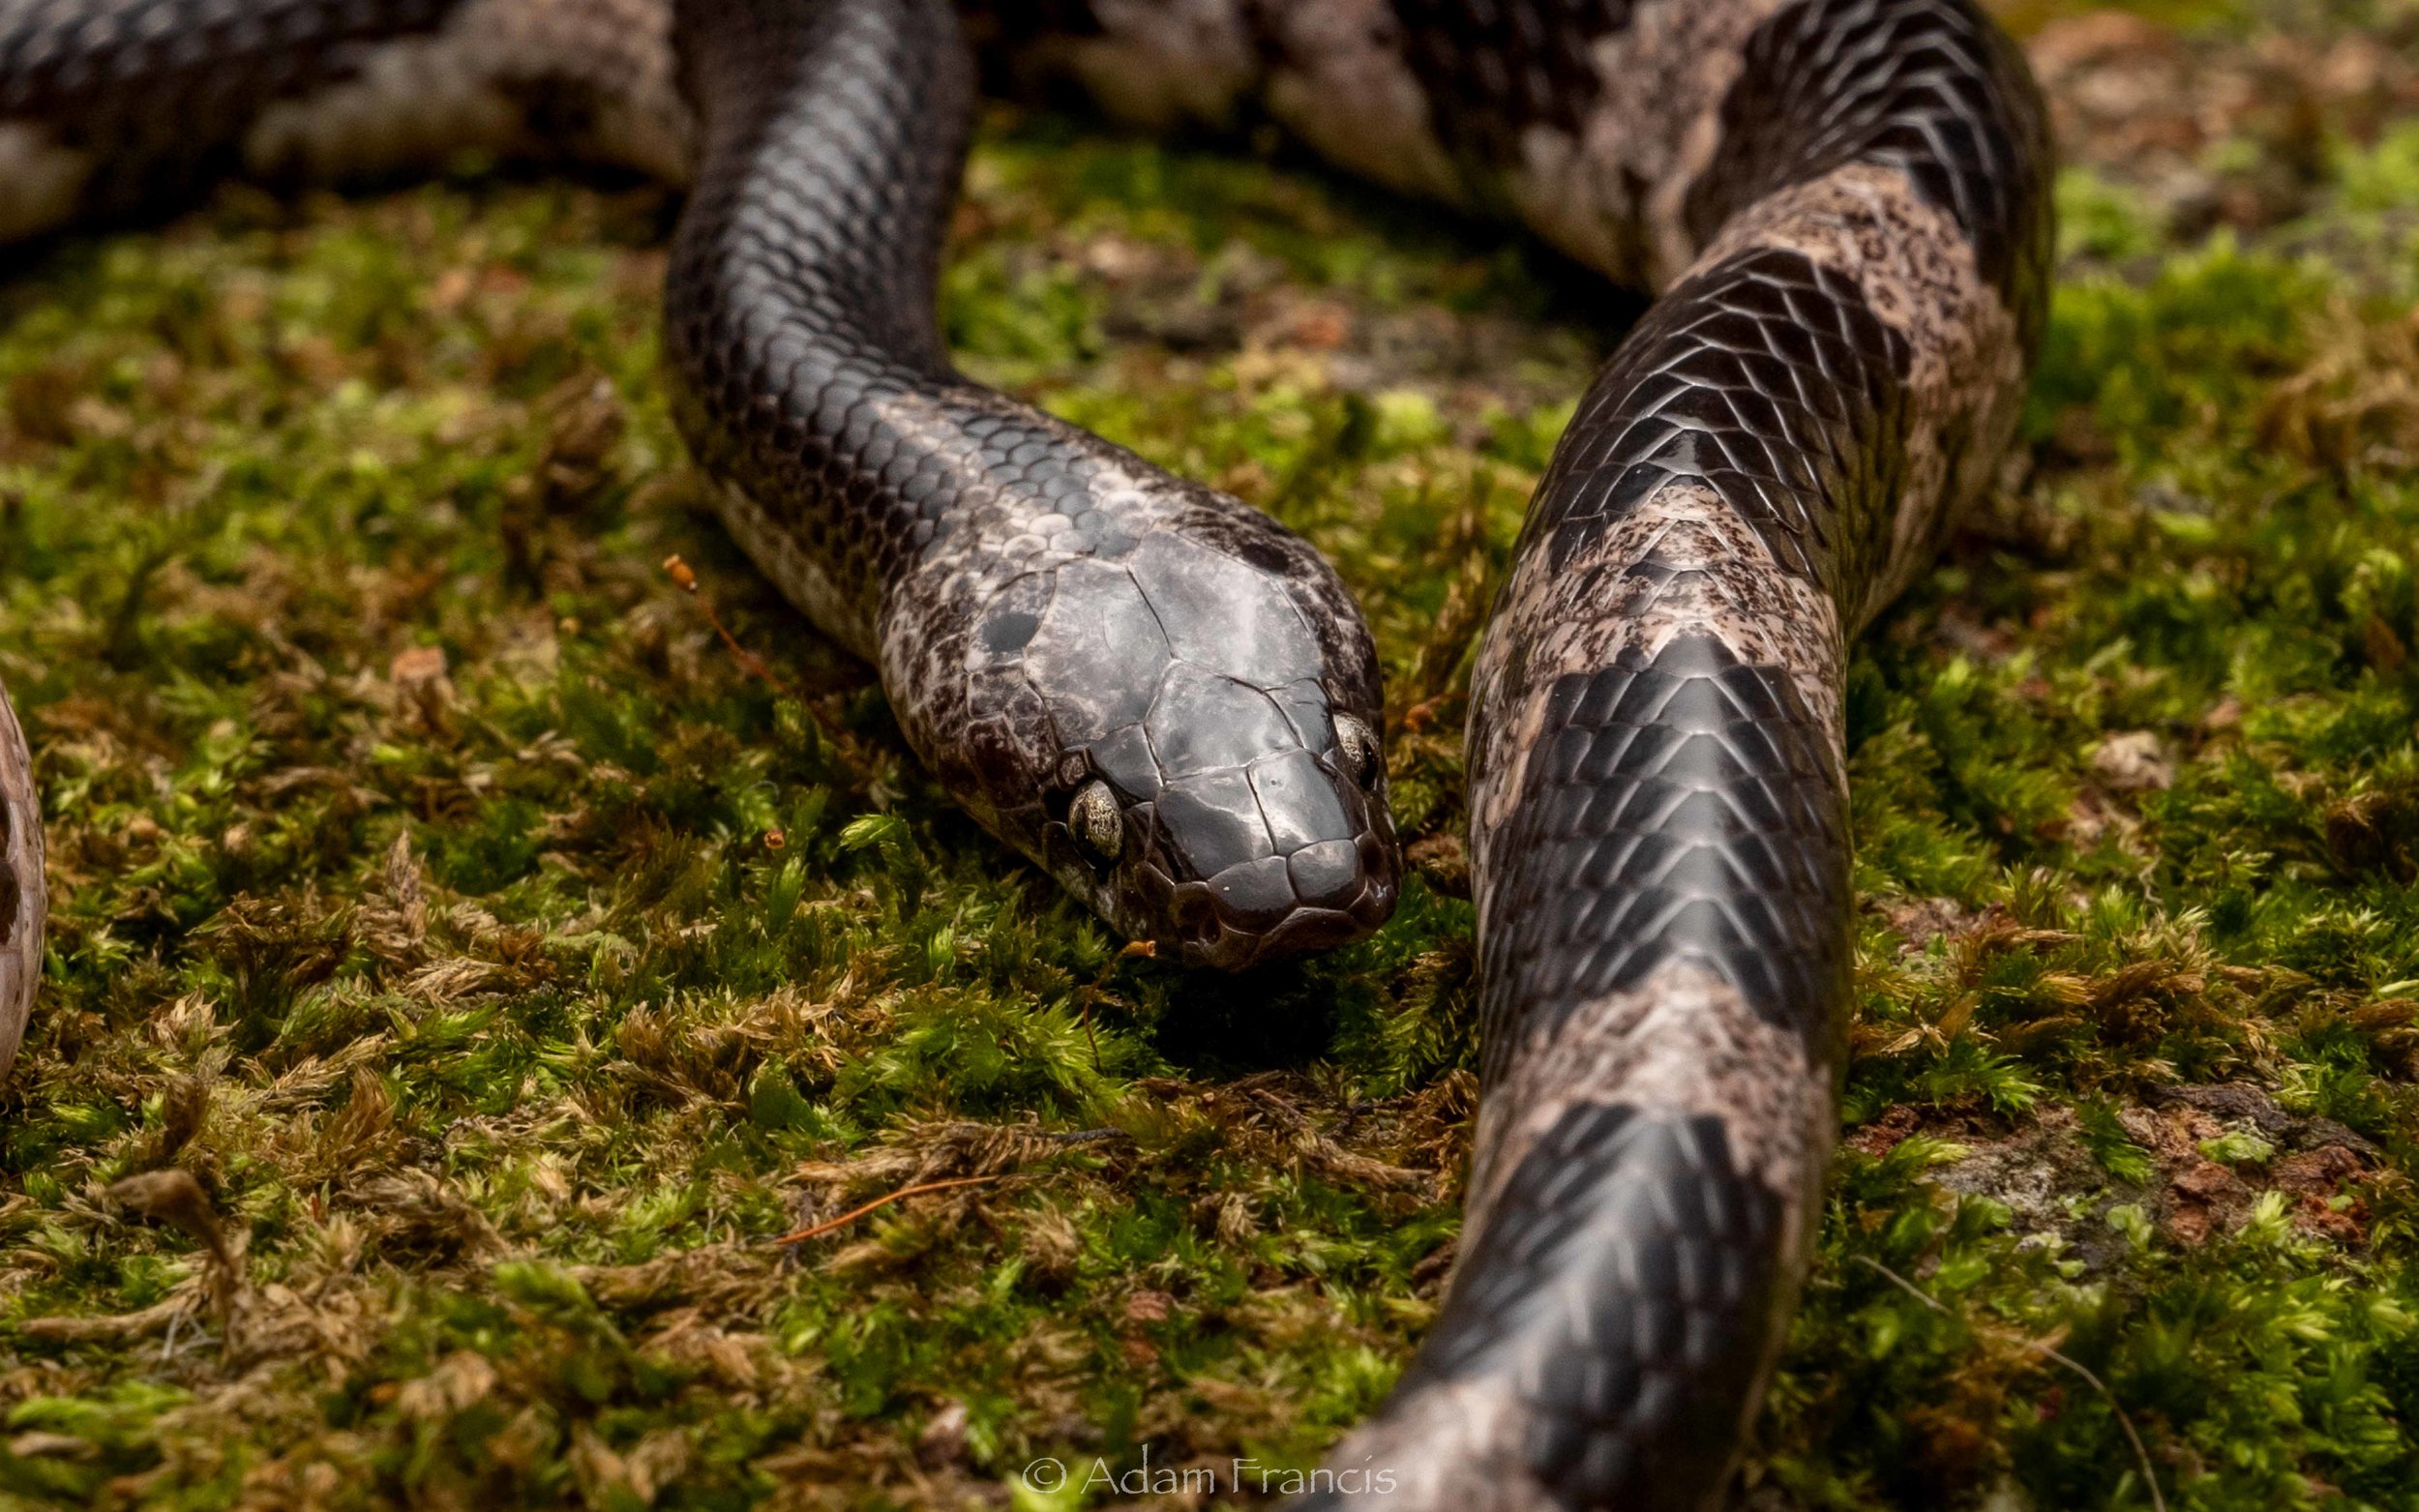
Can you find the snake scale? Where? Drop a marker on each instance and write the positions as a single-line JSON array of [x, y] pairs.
[[1168, 700]]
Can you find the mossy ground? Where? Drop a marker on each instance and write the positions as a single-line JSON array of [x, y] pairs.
[[506, 964]]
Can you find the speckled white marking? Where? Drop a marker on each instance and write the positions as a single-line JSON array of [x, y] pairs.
[[413, 102], [1680, 1044], [21, 948], [1158, 63], [1582, 615], [1611, 195], [1344, 88], [1916, 270], [1456, 1444]]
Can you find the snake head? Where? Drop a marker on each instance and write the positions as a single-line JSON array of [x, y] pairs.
[[1182, 726], [1234, 822]]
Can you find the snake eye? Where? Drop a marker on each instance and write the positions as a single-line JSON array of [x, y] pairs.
[[1357, 745], [1093, 818]]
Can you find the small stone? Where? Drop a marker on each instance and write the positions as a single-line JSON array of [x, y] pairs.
[[2133, 761], [2208, 1181], [942, 1443], [416, 665]]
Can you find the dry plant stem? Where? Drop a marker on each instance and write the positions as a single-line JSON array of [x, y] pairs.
[[1135, 950], [158, 1318], [684, 578], [818, 1230], [2141, 1454]]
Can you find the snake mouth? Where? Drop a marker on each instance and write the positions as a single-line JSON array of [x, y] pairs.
[[1322, 895]]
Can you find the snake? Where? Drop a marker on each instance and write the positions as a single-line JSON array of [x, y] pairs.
[[1169, 701]]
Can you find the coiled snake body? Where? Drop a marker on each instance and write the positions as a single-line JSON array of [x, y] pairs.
[[1168, 700]]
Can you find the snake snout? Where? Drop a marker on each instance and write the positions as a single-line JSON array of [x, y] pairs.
[[1280, 848], [1293, 852]]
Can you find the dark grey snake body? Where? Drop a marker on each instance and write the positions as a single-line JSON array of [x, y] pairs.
[[1168, 700]]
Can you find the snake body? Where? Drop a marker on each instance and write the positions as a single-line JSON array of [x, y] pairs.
[[1166, 700]]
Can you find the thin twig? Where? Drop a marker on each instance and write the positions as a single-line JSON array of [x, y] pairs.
[[113, 1327], [818, 1230], [1416, 718], [1134, 949], [2140, 1452], [684, 578]]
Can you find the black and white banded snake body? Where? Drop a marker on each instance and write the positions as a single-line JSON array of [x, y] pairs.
[[1168, 700]]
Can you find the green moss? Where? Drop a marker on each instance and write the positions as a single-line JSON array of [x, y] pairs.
[[510, 966]]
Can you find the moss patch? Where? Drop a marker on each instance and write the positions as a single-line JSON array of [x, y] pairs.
[[504, 965]]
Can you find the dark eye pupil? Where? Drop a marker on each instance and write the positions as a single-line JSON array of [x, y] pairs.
[[1357, 747]]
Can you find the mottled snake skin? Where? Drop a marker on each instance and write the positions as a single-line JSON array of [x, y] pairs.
[[1168, 700]]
